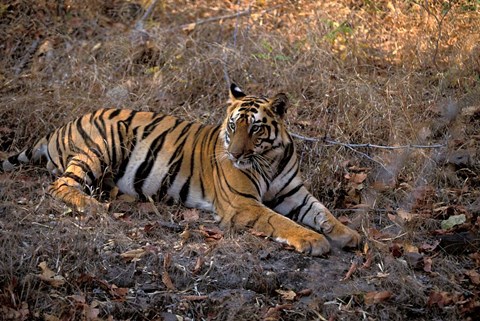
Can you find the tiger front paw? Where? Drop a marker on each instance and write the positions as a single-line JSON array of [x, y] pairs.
[[344, 236], [93, 207], [310, 243]]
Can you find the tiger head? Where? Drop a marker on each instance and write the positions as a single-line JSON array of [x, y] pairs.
[[253, 132]]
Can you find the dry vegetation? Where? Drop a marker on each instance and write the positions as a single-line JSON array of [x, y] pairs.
[[391, 73]]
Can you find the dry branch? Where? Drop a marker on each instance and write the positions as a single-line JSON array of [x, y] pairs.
[[368, 145], [225, 17]]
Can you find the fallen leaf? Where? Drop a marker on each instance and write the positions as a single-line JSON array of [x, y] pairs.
[[288, 295], [198, 265], [273, 314], [474, 276], [368, 261], [90, 312], [395, 219], [118, 293], [211, 233], [427, 264], [167, 281], [304, 292], [190, 215], [189, 27], [358, 178], [167, 260], [476, 258], [49, 276], [355, 263], [195, 297], [50, 317], [425, 247], [396, 249], [415, 260], [376, 234], [408, 247], [78, 298], [453, 221], [376, 297], [404, 215], [439, 299], [185, 235], [133, 255], [344, 219]]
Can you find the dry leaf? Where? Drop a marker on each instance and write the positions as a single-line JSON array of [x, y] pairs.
[[78, 298], [344, 219], [288, 295], [440, 299], [407, 247], [304, 292], [376, 297], [425, 247], [273, 314], [49, 276], [474, 276], [395, 219], [198, 265], [358, 178], [352, 269], [195, 297], [167, 281], [415, 260], [133, 255], [427, 264], [396, 249], [211, 233], [50, 317], [117, 292], [368, 260], [191, 215], [404, 215], [189, 27], [167, 260]]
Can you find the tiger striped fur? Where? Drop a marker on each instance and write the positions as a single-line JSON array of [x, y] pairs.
[[245, 170]]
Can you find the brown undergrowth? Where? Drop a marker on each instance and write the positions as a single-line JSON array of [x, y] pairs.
[[401, 75]]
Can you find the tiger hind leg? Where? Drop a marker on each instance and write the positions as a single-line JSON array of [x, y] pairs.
[[69, 187]]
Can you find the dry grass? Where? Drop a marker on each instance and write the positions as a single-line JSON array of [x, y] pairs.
[[390, 73]]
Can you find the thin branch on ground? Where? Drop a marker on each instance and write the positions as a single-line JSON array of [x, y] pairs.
[[148, 12], [368, 145], [31, 50], [225, 17]]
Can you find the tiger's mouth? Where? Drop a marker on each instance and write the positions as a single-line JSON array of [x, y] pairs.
[[242, 162]]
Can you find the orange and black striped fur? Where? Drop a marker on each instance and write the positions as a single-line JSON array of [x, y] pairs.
[[245, 170]]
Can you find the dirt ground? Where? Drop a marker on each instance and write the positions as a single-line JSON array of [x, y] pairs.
[[385, 105]]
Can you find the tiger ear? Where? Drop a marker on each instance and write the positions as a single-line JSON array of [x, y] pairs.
[[236, 92], [279, 104]]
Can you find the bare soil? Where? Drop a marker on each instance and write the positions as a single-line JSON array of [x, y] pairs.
[[385, 102]]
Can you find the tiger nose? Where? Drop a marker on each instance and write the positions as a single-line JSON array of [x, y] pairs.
[[236, 154]]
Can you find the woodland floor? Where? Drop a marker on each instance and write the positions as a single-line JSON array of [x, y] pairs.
[[389, 90]]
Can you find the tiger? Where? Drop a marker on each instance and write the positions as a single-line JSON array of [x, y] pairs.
[[244, 170]]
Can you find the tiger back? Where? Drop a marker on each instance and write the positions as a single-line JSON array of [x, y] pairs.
[[245, 170]]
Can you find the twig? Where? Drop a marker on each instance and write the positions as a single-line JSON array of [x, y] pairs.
[[225, 57], [26, 57], [224, 17], [368, 157], [443, 14], [139, 24], [368, 145]]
